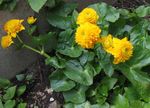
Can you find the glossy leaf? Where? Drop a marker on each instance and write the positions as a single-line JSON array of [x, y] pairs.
[[21, 90], [64, 9], [106, 12], [42, 39], [55, 62], [10, 93], [76, 72], [59, 82], [36, 5], [65, 44], [121, 102], [1, 104], [59, 21], [143, 11], [22, 105], [4, 82], [10, 104], [75, 95], [132, 70]]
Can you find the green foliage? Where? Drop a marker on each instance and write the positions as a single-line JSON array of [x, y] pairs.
[[36, 5], [8, 4], [11, 93], [88, 78]]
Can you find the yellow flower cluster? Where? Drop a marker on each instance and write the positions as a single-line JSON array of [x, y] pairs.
[[87, 34], [121, 49], [87, 15], [6, 41], [12, 27]]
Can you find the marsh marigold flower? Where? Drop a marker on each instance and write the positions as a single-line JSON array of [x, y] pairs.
[[31, 20], [107, 43], [121, 49], [14, 26], [87, 15], [6, 41], [87, 35]]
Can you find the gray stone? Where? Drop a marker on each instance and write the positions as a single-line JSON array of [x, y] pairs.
[[13, 61], [84, 3]]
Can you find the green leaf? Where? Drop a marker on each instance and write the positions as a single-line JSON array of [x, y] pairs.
[[10, 104], [74, 51], [50, 3], [10, 93], [86, 56], [68, 105], [105, 61], [1, 104], [75, 95], [131, 93], [1, 1], [4, 82], [74, 18], [36, 5], [139, 34], [76, 72], [31, 30], [65, 44], [55, 62], [83, 105], [64, 9], [121, 102], [22, 105], [21, 90], [42, 39], [136, 104], [147, 105], [59, 21], [12, 5], [103, 89], [20, 77], [59, 82], [142, 11], [132, 70], [106, 12]]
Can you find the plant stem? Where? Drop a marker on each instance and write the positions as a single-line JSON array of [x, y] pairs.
[[19, 39], [37, 51], [33, 49]]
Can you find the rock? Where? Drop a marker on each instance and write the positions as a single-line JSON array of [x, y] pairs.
[[54, 105], [84, 3], [13, 61]]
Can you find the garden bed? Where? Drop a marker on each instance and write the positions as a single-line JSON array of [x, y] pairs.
[[39, 93]]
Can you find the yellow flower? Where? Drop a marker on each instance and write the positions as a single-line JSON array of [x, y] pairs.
[[87, 15], [6, 41], [14, 26], [31, 20], [107, 43], [122, 50], [87, 35]]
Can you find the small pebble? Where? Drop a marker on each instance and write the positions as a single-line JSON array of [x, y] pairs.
[[51, 99], [43, 97]]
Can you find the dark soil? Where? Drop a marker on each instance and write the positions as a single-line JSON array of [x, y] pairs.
[[38, 93], [129, 4]]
